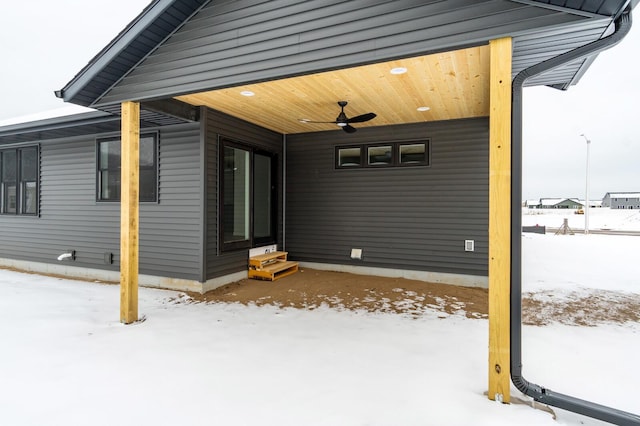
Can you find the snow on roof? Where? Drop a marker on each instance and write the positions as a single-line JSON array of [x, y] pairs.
[[624, 194], [551, 201], [69, 109]]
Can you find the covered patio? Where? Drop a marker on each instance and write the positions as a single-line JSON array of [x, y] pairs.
[[283, 67]]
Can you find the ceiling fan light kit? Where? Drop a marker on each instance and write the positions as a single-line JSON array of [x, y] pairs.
[[343, 121]]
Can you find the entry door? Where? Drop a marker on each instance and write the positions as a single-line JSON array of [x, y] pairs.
[[248, 197]]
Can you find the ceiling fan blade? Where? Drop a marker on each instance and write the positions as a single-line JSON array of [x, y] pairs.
[[349, 129], [317, 122], [362, 118]]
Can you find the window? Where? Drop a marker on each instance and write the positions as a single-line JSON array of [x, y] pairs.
[[248, 197], [397, 154], [19, 171], [109, 161], [349, 157], [413, 153], [380, 155]]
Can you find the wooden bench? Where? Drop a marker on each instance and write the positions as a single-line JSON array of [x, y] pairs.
[[271, 266]]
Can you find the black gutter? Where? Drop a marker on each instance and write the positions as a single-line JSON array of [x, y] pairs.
[[537, 392]]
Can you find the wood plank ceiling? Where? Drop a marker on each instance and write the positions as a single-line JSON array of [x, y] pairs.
[[451, 84]]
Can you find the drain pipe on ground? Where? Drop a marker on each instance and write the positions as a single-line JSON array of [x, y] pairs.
[[537, 392]]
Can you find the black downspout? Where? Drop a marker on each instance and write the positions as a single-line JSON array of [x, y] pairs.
[[537, 392]]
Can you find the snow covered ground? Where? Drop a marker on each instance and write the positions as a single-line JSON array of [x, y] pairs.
[[599, 218], [66, 360]]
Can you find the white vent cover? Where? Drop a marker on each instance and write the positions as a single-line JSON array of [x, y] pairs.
[[469, 245], [356, 253]]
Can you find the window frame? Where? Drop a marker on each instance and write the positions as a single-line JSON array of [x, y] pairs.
[[427, 153], [395, 160], [392, 158], [19, 183], [155, 168], [350, 165], [251, 241]]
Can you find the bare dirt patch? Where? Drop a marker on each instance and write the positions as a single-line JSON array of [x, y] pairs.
[[310, 289], [580, 308]]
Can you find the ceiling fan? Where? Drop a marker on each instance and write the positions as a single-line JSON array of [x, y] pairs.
[[345, 122]]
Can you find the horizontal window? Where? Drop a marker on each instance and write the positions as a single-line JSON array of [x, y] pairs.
[[396, 154], [350, 157], [19, 180], [414, 153], [380, 155], [109, 168]]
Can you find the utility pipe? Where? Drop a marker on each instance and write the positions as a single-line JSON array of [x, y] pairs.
[[537, 392], [586, 192], [284, 193]]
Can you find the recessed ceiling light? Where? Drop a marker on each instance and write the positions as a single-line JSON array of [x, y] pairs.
[[398, 70], [423, 108], [247, 93]]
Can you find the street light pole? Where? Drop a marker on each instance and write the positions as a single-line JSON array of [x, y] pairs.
[[586, 200]]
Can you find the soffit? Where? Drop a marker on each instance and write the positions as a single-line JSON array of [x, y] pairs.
[[452, 84]]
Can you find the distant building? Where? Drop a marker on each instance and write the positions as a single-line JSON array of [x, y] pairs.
[[621, 200], [560, 203], [532, 204]]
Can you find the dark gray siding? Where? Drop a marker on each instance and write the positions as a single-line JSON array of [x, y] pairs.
[[407, 218], [233, 42], [219, 124], [70, 217]]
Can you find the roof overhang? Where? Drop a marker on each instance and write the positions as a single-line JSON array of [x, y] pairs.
[[450, 78]]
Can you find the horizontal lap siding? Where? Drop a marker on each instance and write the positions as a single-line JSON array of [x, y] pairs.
[[70, 217], [220, 264], [407, 218], [171, 232], [231, 43]]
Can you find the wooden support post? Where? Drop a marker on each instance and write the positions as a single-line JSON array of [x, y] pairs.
[[499, 219], [130, 177]]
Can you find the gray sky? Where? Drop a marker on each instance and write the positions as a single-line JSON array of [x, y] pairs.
[[44, 43], [604, 106]]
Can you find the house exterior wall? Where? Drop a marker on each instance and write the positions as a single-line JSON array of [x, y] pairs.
[[621, 200], [410, 218], [625, 203], [217, 124], [71, 218]]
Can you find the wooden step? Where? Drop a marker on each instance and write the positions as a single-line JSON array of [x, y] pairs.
[[275, 270], [271, 266], [261, 260]]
